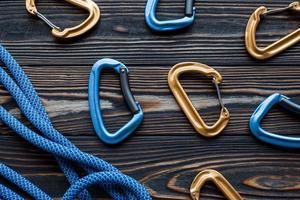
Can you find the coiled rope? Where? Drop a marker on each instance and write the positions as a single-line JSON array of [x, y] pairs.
[[99, 172]]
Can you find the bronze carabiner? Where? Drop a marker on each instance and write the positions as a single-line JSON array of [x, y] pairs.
[[276, 47], [67, 33], [186, 104], [218, 179]]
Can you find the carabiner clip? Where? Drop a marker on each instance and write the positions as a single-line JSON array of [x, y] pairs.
[[186, 104], [94, 102], [169, 25], [212, 175], [262, 110], [276, 47], [67, 33]]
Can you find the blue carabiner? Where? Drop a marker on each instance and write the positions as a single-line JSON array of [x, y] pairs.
[[169, 25], [94, 102], [262, 110]]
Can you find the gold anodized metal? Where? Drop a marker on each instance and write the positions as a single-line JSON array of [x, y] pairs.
[[185, 103], [218, 179], [276, 47], [86, 25]]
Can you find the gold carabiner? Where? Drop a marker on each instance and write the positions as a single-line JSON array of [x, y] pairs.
[[67, 33], [219, 180], [186, 104], [276, 47]]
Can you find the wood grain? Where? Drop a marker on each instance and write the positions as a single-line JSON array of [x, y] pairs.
[[165, 153]]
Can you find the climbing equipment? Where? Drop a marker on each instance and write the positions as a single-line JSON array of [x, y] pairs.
[[219, 180], [94, 102], [67, 33], [186, 104], [262, 110], [99, 172], [169, 25], [276, 47]]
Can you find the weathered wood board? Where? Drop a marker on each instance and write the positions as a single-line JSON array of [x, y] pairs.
[[165, 153]]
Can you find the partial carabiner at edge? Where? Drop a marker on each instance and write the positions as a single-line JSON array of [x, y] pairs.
[[169, 25], [94, 102], [68, 33], [262, 110], [275, 48], [218, 179]]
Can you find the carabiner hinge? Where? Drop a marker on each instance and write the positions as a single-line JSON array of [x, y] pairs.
[[295, 6], [127, 94]]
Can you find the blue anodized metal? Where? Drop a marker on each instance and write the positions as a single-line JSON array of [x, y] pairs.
[[94, 104], [168, 25], [265, 136]]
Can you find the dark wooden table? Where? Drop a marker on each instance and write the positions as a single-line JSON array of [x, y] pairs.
[[165, 153]]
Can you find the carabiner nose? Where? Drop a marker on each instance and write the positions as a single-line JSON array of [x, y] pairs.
[[169, 25]]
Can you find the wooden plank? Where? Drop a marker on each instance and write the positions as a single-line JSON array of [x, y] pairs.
[[165, 153]]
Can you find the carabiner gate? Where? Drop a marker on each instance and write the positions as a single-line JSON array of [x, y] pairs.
[[262, 110], [94, 102], [186, 104], [67, 33], [276, 47], [218, 179], [169, 25]]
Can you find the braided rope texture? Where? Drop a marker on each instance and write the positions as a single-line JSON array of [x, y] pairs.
[[99, 172]]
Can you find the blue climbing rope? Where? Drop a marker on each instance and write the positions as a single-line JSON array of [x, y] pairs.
[[99, 172]]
